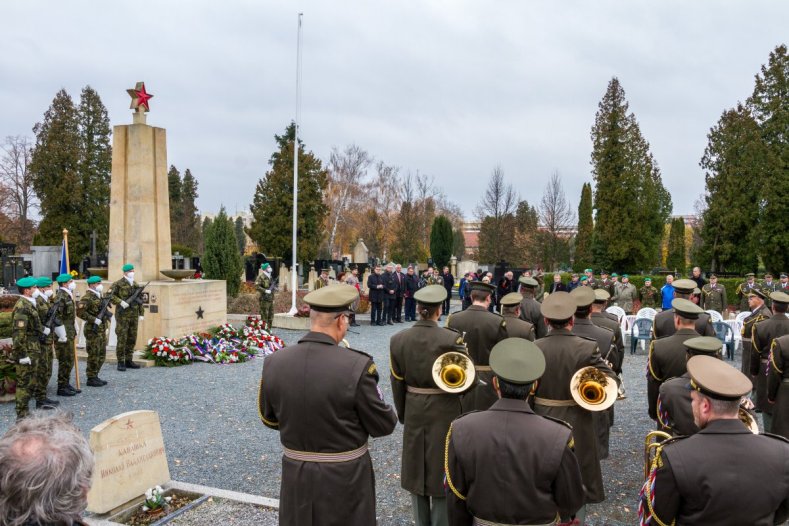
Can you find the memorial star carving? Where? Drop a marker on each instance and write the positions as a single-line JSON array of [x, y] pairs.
[[200, 312], [140, 97], [129, 424]]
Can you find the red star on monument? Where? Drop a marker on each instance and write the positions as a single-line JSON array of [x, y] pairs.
[[129, 424], [140, 97]]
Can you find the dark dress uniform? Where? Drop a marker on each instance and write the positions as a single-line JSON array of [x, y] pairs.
[[517, 328], [778, 385], [674, 412], [424, 410], [530, 311], [663, 325], [565, 353], [762, 338], [325, 402], [509, 465], [617, 355], [481, 330], [743, 291], [667, 359], [713, 297], [759, 315]]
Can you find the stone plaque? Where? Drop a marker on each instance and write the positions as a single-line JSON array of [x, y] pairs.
[[130, 458]]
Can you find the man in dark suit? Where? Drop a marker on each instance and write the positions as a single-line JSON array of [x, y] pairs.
[[410, 286], [449, 283], [375, 291], [390, 293], [557, 285], [399, 293]]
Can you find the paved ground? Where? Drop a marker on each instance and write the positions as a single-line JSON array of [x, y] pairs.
[[214, 437]]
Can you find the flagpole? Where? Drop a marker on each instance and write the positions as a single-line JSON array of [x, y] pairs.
[[294, 277], [76, 360]]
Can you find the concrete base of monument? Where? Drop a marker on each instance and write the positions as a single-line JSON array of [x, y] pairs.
[[82, 355], [295, 323]]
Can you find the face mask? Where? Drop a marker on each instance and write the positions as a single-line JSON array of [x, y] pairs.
[[48, 293], [99, 288], [36, 293], [130, 275], [72, 286]]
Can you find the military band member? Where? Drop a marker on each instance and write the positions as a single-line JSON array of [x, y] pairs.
[[482, 330], [674, 412], [663, 325], [507, 465], [424, 410], [565, 353], [325, 402], [724, 474], [26, 350], [44, 369], [778, 385], [530, 307], [95, 330], [265, 287], [666, 357], [713, 296], [64, 350], [599, 318], [743, 290], [648, 295], [762, 336], [510, 310], [759, 312]]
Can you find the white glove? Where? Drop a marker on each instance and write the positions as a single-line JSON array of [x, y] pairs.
[[142, 318], [124, 305], [25, 361], [46, 331], [97, 321], [60, 331], [268, 292]]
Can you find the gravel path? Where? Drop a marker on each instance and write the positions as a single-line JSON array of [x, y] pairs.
[[214, 437], [218, 511]]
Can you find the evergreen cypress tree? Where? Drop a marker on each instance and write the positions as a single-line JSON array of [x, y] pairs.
[[241, 237], [190, 218], [583, 240], [675, 260], [221, 259], [174, 185], [441, 241], [458, 243]]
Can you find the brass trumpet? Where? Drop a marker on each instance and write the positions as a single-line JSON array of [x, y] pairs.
[[454, 372], [651, 443], [593, 390]]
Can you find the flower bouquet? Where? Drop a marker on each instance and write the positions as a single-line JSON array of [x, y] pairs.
[[155, 503], [226, 331], [165, 352]]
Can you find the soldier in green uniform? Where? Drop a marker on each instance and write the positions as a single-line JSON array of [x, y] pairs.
[[88, 309], [44, 370], [713, 296], [64, 350], [762, 336], [127, 316], [530, 307], [744, 289], [26, 334], [323, 279], [508, 465], [724, 474], [758, 312], [510, 310], [482, 330], [590, 281], [424, 410], [648, 295], [265, 287]]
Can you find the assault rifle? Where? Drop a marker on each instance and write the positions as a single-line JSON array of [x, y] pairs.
[[51, 320], [136, 297], [105, 314]]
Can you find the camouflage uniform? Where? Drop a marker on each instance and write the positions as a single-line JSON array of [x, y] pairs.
[[263, 284], [125, 319], [649, 297], [44, 370], [26, 332], [65, 350], [95, 335]]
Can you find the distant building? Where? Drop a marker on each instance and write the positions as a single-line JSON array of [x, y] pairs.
[[471, 238]]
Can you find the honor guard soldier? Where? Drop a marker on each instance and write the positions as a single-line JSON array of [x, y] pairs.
[[128, 314], [744, 289], [65, 349], [508, 465], [590, 281], [425, 410], [95, 329], [265, 287], [599, 317], [674, 413], [778, 385], [713, 296], [530, 307], [325, 402], [666, 357], [567, 354], [762, 336], [724, 474], [481, 330], [759, 312], [44, 369], [26, 332], [663, 324], [648, 295], [510, 310]]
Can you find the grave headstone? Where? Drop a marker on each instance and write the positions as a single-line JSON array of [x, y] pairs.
[[360, 252]]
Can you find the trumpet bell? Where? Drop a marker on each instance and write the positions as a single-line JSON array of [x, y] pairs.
[[593, 390], [748, 420], [454, 372]]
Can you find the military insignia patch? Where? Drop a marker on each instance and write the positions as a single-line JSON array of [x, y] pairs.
[[20, 324], [372, 370], [459, 340], [503, 323]]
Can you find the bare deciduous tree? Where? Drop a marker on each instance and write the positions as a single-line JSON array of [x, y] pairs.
[[347, 185], [496, 214], [18, 185], [556, 222]]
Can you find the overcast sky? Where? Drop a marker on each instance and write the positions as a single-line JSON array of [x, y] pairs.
[[450, 89]]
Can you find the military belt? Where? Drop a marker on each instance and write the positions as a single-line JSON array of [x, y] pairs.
[[763, 360], [547, 402], [745, 339], [785, 381], [308, 456], [483, 368], [424, 390], [483, 522]]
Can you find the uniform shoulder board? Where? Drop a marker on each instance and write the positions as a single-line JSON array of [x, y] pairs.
[[465, 415], [609, 329], [588, 338], [777, 437], [558, 421], [370, 356], [452, 329]]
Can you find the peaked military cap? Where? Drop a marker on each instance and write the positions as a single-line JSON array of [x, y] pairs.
[[431, 295], [513, 298], [558, 306], [717, 379], [704, 344], [784, 275], [750, 275], [600, 295], [43, 281], [64, 278], [686, 308], [713, 275], [26, 282], [334, 298], [757, 291], [94, 279], [583, 296], [696, 291], [684, 286], [779, 297], [484, 286], [528, 282], [605, 273], [517, 361], [324, 269], [127, 267]]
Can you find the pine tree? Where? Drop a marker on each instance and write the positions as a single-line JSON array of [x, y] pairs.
[[190, 218], [221, 259], [458, 243], [174, 185], [272, 205], [206, 225], [630, 201], [583, 240], [55, 167], [769, 105], [441, 241], [675, 261], [241, 237]]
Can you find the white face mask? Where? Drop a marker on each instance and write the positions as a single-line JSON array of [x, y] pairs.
[[72, 286], [36, 293], [48, 293], [130, 276], [99, 288]]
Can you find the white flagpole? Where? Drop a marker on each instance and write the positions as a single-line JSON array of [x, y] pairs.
[[294, 277]]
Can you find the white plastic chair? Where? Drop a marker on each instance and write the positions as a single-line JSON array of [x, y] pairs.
[[714, 315], [646, 312], [741, 316], [619, 312]]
